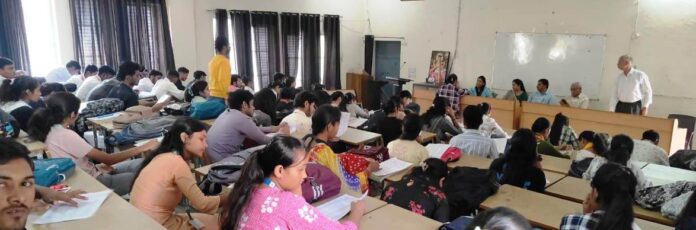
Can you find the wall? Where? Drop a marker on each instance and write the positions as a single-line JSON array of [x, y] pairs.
[[663, 48]]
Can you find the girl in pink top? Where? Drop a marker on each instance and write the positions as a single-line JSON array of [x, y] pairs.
[[268, 194]]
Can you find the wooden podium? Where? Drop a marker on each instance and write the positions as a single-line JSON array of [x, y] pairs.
[[356, 81]]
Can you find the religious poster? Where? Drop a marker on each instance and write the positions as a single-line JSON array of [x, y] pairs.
[[439, 61]]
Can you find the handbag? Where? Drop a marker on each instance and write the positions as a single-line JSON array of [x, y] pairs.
[[52, 171], [378, 153]]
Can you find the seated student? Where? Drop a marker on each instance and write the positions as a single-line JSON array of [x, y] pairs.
[[490, 127], [440, 118], [248, 83], [197, 76], [15, 97], [518, 92], [105, 73], [421, 191], [19, 191], [182, 75], [165, 176], [407, 148], [49, 88], [167, 86], [197, 93], [610, 203], [322, 96], [49, 125], [687, 217], [285, 105], [390, 127], [593, 144], [561, 134], [236, 83], [301, 117], [7, 69], [268, 193], [128, 75], [145, 84], [472, 141], [647, 149], [542, 96], [500, 218], [541, 131], [576, 99], [353, 108], [352, 169], [289, 84], [520, 166], [480, 89], [266, 100], [234, 125], [337, 100], [90, 70], [619, 152], [408, 104]]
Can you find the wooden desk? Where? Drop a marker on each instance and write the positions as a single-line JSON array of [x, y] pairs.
[[543, 210], [106, 126], [357, 137], [34, 146], [203, 171], [555, 164], [394, 217], [552, 177], [115, 212], [660, 174], [576, 190], [425, 137], [471, 161]]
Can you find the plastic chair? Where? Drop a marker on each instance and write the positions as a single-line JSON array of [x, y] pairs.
[[687, 122]]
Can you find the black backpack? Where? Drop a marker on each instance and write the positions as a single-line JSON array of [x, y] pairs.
[[683, 159], [467, 187], [577, 168]]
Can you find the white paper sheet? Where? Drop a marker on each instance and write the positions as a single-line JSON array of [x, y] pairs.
[[355, 122], [338, 208], [391, 166], [343, 126], [500, 144], [142, 142], [85, 209], [436, 150]]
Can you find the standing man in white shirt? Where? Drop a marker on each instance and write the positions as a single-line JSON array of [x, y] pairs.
[[633, 94], [576, 99], [167, 86], [7, 69], [62, 74]]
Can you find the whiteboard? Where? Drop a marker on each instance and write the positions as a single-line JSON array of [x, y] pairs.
[[560, 58]]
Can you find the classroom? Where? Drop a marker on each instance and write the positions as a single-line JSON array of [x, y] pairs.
[[347, 114]]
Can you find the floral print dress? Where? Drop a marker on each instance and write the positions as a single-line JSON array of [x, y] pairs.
[[349, 167], [415, 193]]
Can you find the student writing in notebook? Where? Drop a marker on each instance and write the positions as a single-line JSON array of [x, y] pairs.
[[268, 193]]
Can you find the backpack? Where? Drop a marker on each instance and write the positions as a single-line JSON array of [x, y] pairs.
[[133, 114], [460, 223], [372, 123], [683, 159], [225, 172], [321, 183], [378, 153], [206, 110], [467, 187], [141, 130], [52, 171], [652, 198], [577, 168], [97, 108], [177, 109]]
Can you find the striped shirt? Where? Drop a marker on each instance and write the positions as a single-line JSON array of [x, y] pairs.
[[473, 142]]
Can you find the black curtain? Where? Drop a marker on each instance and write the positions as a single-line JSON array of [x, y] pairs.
[[241, 26], [221, 18], [13, 36], [310, 33], [290, 36], [369, 52], [108, 32], [332, 52], [265, 28]]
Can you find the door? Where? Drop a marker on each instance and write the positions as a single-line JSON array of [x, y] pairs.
[[387, 64]]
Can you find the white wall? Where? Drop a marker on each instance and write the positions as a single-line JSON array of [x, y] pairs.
[[665, 48]]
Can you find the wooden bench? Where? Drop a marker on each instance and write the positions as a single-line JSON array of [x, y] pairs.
[[576, 190], [357, 137], [114, 213], [543, 210], [394, 217]]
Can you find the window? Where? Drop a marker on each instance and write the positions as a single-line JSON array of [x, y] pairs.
[[42, 39]]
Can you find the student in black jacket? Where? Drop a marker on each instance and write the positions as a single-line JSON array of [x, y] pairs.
[[266, 100]]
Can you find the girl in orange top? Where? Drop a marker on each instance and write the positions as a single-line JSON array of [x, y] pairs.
[[165, 176]]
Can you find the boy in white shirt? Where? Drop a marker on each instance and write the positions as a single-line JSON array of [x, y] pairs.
[[167, 86], [91, 82], [146, 84], [90, 70]]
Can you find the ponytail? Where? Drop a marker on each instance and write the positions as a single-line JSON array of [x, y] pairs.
[[13, 90], [280, 151], [59, 106], [616, 186]]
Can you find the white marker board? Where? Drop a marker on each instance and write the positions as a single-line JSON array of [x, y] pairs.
[[560, 58]]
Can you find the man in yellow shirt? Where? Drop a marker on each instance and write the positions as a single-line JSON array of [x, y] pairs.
[[220, 70]]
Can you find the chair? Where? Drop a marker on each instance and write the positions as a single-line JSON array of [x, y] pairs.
[[687, 122]]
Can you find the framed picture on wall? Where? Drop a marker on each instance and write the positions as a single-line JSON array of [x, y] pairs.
[[439, 62]]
